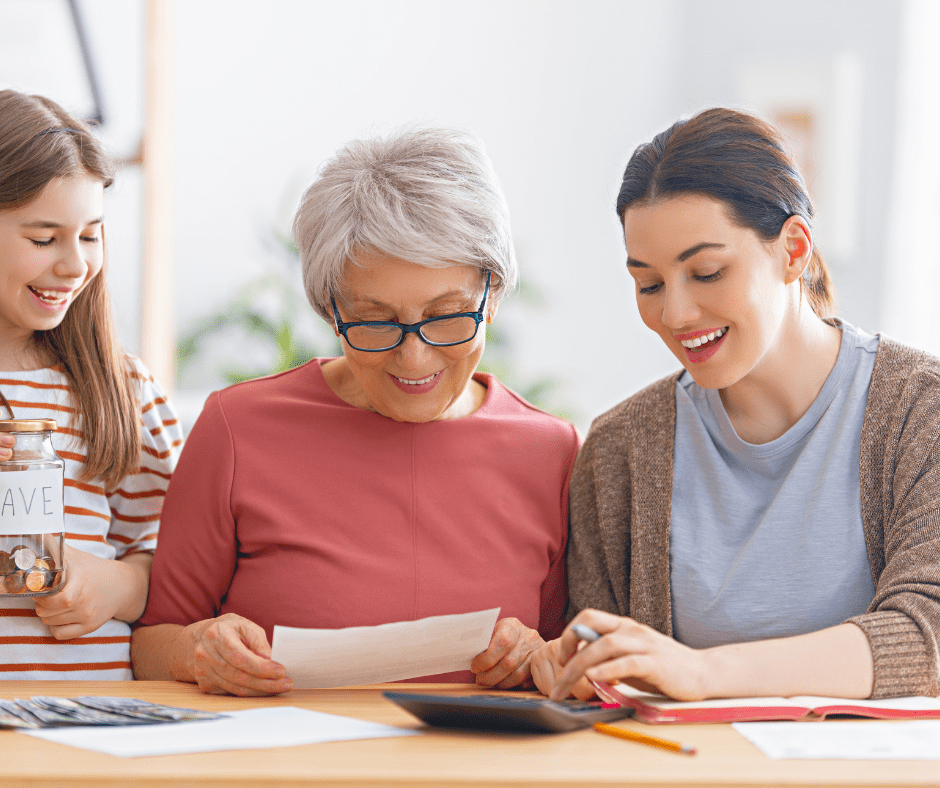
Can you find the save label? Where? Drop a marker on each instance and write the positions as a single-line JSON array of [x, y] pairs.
[[31, 502]]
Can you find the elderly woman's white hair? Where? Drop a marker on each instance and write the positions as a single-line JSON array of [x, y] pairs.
[[426, 195]]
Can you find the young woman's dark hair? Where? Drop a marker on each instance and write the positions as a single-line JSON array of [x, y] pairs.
[[740, 160]]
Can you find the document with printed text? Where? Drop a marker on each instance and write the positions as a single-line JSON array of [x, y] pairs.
[[320, 658]]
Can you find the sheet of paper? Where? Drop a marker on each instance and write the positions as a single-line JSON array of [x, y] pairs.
[[899, 741], [319, 658], [252, 729]]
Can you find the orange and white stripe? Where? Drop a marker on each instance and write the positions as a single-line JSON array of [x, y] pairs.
[[107, 523]]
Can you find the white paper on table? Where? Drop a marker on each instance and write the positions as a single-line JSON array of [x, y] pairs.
[[320, 658], [251, 729], [914, 740]]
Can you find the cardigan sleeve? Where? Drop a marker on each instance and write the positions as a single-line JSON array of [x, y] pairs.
[[589, 580], [900, 466], [621, 495]]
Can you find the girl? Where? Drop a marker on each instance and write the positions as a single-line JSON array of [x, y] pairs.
[[117, 433], [766, 522]]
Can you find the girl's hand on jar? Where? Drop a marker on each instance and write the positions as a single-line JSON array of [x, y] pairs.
[[95, 591], [6, 446]]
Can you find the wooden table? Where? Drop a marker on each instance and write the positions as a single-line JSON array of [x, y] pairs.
[[439, 758]]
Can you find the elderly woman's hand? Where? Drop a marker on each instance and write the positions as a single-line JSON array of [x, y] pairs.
[[547, 667], [231, 655], [505, 663]]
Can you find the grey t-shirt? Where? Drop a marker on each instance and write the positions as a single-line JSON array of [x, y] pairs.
[[766, 540]]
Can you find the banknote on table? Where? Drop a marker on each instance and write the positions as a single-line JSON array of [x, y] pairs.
[[46, 716], [145, 710], [78, 714], [50, 712], [12, 716], [75, 713]]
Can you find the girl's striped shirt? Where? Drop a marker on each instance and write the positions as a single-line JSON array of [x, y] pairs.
[[109, 523]]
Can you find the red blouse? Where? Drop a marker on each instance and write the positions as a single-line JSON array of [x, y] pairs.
[[289, 506]]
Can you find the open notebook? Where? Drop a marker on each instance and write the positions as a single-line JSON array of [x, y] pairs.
[[659, 709]]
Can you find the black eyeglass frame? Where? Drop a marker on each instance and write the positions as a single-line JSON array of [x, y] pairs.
[[412, 328]]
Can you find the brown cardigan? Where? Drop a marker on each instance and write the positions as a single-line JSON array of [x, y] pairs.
[[621, 494]]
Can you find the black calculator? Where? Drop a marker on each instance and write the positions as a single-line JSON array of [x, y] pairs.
[[504, 713]]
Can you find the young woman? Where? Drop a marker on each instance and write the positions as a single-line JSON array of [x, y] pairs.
[[60, 360], [766, 522]]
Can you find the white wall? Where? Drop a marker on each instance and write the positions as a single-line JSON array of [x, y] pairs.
[[560, 92], [267, 91]]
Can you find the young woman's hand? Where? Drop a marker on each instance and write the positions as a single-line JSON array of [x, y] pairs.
[[505, 663], [230, 655], [96, 590], [627, 651]]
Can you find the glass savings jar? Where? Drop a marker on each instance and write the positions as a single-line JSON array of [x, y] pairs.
[[32, 515]]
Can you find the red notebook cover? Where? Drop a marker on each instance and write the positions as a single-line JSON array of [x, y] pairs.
[[657, 709]]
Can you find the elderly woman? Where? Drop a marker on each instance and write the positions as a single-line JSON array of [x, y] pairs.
[[390, 484]]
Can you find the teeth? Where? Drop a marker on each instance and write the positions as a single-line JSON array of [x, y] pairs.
[[407, 382], [704, 338], [51, 296]]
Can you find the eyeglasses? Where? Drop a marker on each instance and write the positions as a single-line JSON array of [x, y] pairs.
[[374, 336]]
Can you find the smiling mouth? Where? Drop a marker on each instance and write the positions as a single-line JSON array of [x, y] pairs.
[[407, 382], [51, 297], [704, 339]]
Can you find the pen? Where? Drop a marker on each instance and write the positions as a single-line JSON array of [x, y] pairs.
[[584, 633], [642, 738]]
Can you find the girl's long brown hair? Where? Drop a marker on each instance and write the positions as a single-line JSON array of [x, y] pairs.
[[40, 141]]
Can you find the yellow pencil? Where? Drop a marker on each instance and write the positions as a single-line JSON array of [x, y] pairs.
[[642, 738]]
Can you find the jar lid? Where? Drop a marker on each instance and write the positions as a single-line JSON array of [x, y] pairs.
[[27, 425]]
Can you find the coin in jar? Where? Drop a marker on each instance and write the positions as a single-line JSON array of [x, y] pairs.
[[6, 563], [24, 557], [15, 583], [37, 579]]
